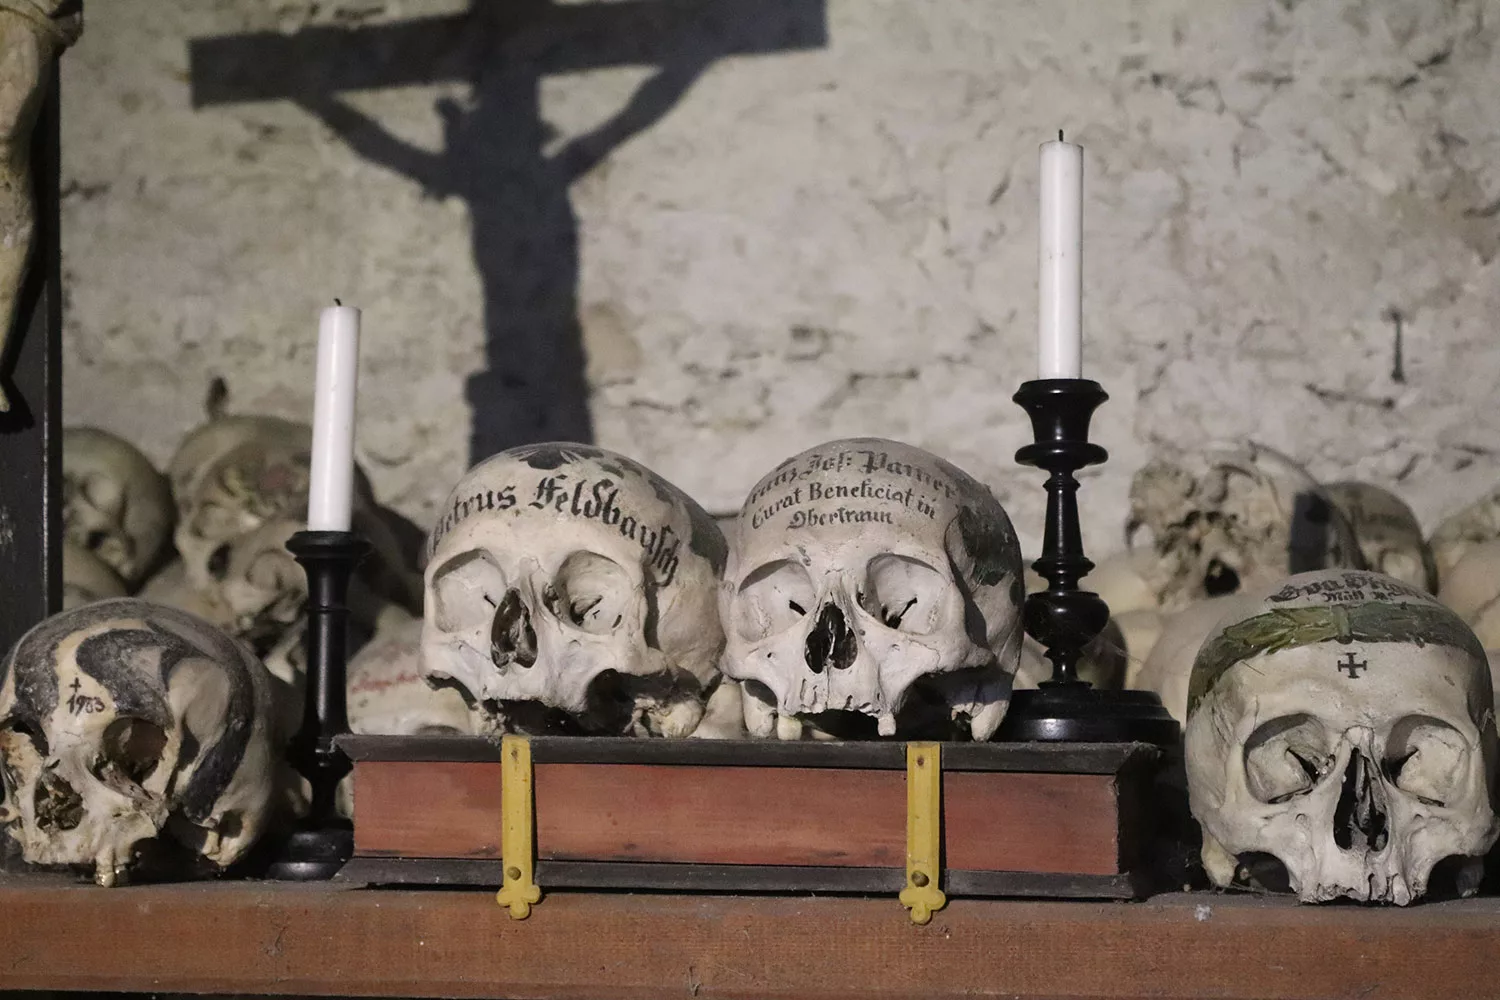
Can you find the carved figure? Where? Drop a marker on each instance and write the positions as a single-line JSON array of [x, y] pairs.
[[32, 34]]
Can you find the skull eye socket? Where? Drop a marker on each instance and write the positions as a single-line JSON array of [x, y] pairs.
[[1287, 757], [1425, 757], [466, 590], [774, 598], [129, 753], [591, 593], [904, 593]]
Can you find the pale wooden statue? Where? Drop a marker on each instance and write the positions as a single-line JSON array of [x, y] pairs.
[[32, 34]]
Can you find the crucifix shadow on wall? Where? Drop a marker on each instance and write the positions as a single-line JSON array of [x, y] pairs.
[[494, 154]]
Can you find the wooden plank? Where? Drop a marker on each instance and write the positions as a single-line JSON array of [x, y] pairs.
[[1050, 758], [31, 432], [739, 815], [249, 938]]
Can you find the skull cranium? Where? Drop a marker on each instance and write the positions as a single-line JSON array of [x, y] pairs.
[[864, 571], [115, 504], [1344, 727], [1233, 518], [122, 719], [569, 587]]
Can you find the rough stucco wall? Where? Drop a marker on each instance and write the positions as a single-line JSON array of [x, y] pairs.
[[842, 241]]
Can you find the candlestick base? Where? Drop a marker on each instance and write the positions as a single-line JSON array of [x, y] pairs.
[[1064, 618], [313, 855], [1078, 712]]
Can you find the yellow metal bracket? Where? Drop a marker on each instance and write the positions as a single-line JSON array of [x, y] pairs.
[[518, 892], [924, 831]]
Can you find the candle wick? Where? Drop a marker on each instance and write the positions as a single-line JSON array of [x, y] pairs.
[[338, 302], [1059, 135]]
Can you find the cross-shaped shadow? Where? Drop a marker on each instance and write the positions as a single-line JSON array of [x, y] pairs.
[[525, 236]]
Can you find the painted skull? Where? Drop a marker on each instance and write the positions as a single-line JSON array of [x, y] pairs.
[[1346, 728], [257, 478], [871, 579], [1390, 539], [115, 504], [1231, 519], [389, 697], [1460, 531], [571, 589], [121, 720]]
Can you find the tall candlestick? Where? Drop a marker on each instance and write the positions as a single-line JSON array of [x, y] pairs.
[[330, 493], [1060, 281]]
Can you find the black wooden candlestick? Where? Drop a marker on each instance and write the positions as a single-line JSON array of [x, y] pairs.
[[1063, 618], [323, 841]]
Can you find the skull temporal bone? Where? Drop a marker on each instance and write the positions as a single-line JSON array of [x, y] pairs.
[[557, 564], [1345, 727], [860, 568]]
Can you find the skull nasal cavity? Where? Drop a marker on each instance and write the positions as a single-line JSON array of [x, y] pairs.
[[58, 806], [512, 639], [1359, 821], [831, 641]]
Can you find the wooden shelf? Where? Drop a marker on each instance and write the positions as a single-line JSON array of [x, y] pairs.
[[246, 937]]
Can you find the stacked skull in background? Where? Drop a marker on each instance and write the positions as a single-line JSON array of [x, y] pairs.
[[1230, 519], [1343, 725], [115, 505], [872, 585], [241, 485], [123, 720], [571, 589]]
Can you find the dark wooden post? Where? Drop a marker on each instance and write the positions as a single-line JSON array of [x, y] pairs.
[[31, 433]]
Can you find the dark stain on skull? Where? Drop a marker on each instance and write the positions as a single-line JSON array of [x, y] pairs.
[[552, 456], [831, 643], [991, 545]]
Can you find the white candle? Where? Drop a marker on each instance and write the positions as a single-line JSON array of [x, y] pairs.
[[330, 493], [1060, 281]]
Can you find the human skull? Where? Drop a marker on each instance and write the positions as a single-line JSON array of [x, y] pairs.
[[864, 572], [236, 475], [123, 719], [170, 586], [1462, 530], [115, 504], [1389, 537], [1168, 667], [86, 578], [571, 588], [260, 478], [1472, 590], [1233, 518], [1346, 727], [389, 697]]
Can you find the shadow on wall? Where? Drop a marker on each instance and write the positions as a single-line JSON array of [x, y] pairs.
[[525, 233]]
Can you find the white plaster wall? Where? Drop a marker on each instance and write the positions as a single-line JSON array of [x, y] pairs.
[[842, 242]]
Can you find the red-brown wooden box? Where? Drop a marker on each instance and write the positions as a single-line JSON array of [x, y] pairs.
[[1018, 819]]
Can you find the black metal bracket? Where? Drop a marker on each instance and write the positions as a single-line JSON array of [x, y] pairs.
[[1064, 618]]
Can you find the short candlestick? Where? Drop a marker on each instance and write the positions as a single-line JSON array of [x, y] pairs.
[[1064, 618], [323, 841]]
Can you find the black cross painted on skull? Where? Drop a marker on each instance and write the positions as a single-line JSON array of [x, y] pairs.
[[1348, 665]]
